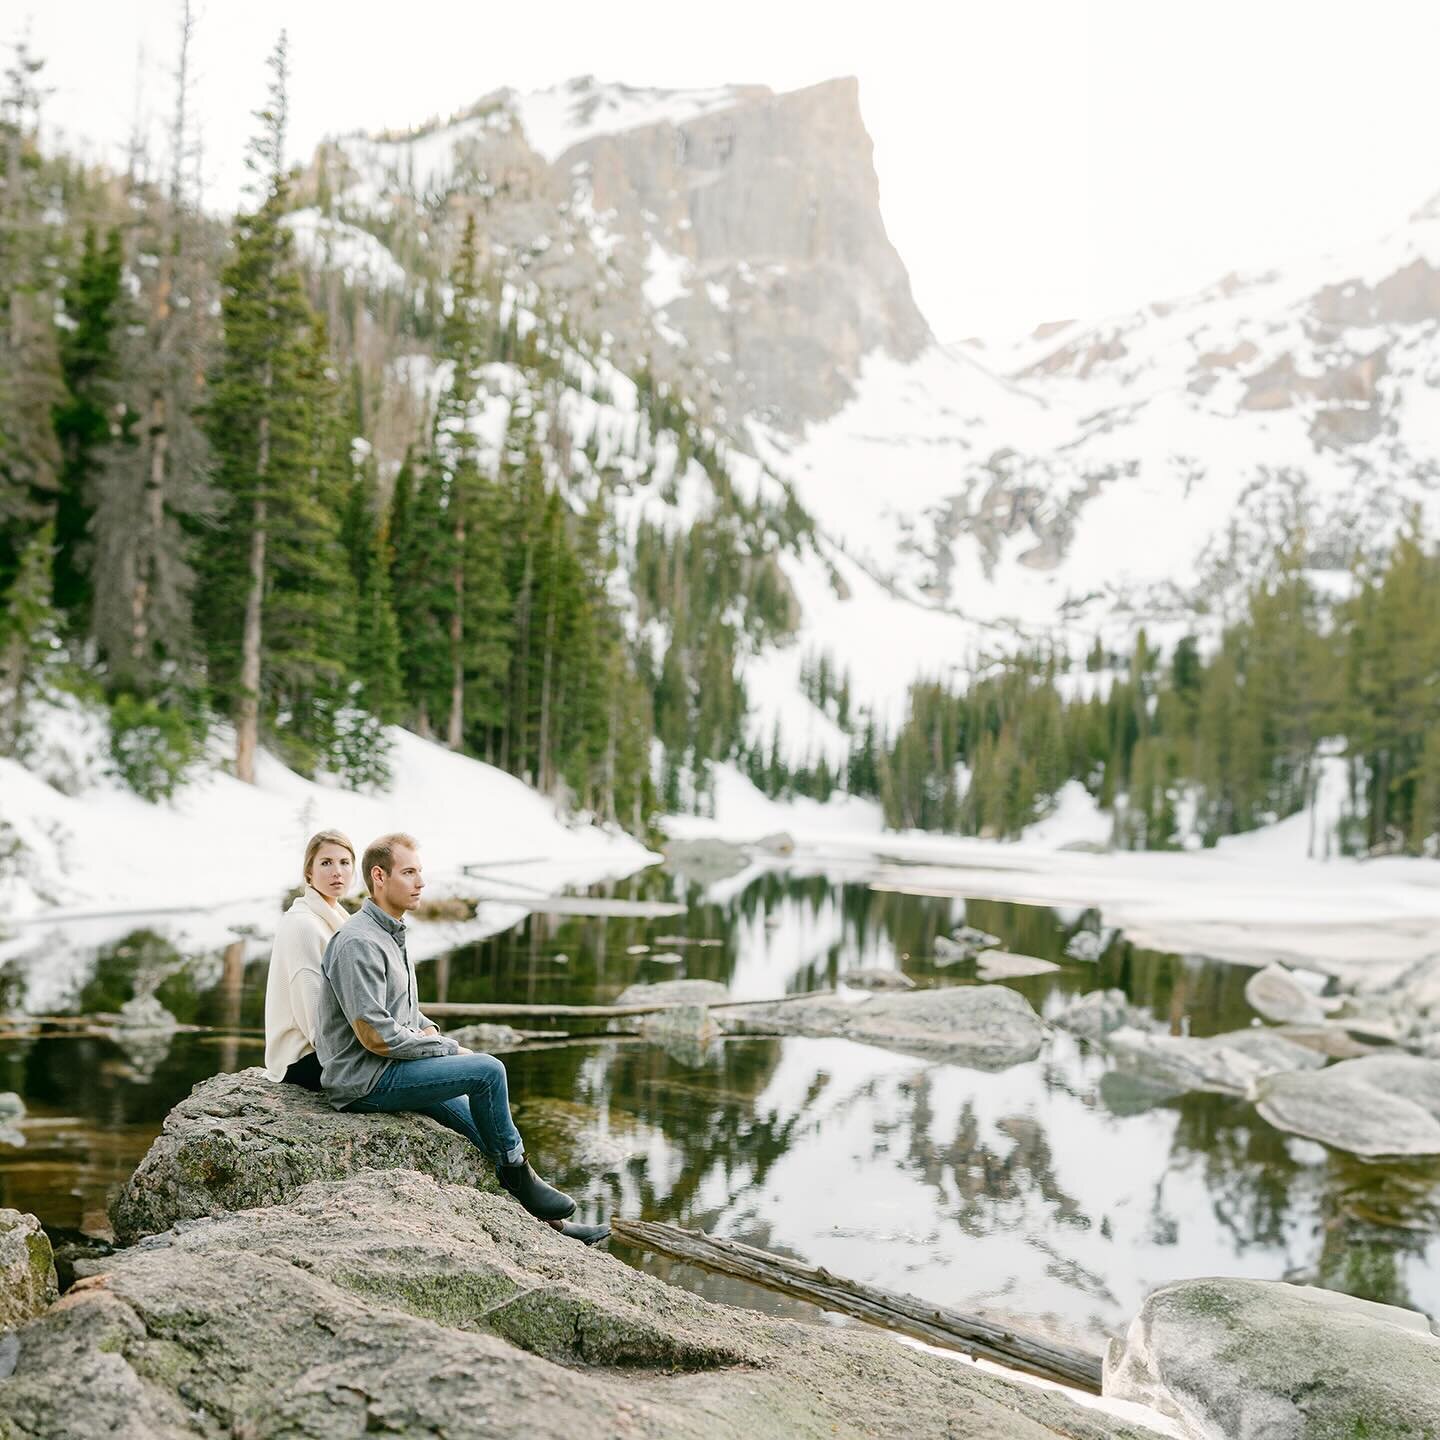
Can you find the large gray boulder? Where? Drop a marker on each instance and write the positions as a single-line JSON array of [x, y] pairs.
[[27, 1269], [1261, 1360], [985, 1026], [1228, 1064], [389, 1303], [240, 1140], [1376, 1107]]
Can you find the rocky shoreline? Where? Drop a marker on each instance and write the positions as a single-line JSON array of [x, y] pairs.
[[359, 1281], [288, 1271]]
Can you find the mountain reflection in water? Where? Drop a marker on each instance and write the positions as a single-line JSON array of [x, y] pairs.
[[1037, 1192]]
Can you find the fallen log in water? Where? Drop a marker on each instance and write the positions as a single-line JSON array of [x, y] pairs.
[[936, 1325], [455, 1010]]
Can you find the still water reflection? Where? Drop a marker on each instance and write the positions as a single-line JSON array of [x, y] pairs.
[[1050, 1191]]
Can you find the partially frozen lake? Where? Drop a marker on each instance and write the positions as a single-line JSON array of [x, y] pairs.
[[1055, 1191]]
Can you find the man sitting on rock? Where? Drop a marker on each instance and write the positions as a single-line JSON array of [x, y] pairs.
[[379, 1052]]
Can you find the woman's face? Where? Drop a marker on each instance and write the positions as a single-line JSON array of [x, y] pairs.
[[332, 870]]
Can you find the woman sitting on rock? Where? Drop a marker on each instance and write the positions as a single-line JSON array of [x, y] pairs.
[[292, 992]]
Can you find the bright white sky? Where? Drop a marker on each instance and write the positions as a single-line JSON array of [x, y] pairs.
[[1038, 159]]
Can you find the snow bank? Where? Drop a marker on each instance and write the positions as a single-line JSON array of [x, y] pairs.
[[218, 841]]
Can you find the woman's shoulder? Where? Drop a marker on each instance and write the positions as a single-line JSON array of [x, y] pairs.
[[299, 920]]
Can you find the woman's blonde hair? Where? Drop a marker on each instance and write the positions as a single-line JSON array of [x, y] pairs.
[[324, 837]]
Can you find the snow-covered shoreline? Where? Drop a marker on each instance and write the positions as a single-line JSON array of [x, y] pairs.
[[1253, 899], [101, 850]]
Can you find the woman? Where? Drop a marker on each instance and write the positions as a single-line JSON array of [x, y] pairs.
[[293, 989]]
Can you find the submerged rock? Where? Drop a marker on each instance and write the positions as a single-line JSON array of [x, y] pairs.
[[1231, 1358], [1001, 965], [389, 1303], [874, 978], [1373, 1107], [242, 1140], [27, 1270], [1227, 1064], [987, 1026]]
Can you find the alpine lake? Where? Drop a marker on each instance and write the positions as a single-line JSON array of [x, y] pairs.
[[1056, 1192]]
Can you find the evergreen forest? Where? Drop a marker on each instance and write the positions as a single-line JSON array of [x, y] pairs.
[[197, 534]]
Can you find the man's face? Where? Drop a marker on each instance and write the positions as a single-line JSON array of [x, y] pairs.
[[400, 889]]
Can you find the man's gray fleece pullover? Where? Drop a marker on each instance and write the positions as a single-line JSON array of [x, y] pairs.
[[369, 1013]]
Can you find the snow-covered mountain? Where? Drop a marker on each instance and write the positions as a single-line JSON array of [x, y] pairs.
[[1089, 479]]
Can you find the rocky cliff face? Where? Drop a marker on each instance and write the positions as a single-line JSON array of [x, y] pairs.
[[731, 238]]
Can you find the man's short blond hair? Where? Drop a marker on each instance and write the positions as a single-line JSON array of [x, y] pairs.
[[381, 852], [324, 837]]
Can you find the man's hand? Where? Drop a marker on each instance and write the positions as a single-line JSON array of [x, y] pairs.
[[463, 1049], [431, 1030]]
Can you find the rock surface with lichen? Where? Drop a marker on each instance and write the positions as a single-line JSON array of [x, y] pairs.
[[240, 1140], [27, 1269], [389, 1302], [1234, 1358]]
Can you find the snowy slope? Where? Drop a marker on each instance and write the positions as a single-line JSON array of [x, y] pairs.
[[102, 848], [1145, 466], [563, 116]]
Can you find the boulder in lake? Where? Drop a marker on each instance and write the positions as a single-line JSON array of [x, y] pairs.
[[241, 1140], [1237, 1359], [1278, 995], [1351, 1106], [1228, 1064], [704, 862], [974, 939], [388, 1302], [27, 1269], [674, 992], [872, 977], [1096, 1013], [12, 1112], [1001, 965], [1086, 945], [496, 1039], [986, 1026]]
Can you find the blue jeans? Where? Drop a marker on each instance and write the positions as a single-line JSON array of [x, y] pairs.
[[465, 1093]]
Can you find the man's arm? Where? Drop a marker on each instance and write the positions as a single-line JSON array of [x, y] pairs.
[[357, 975]]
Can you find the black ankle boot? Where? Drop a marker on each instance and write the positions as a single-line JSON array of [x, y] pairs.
[[585, 1234], [543, 1201]]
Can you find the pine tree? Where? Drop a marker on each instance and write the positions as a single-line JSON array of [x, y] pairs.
[[275, 572], [28, 638], [476, 610], [153, 491], [82, 419], [30, 385]]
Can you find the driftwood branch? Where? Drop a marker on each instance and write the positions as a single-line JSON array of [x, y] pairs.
[[448, 1010], [950, 1329]]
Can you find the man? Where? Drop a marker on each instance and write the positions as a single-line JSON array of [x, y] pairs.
[[379, 1052]]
